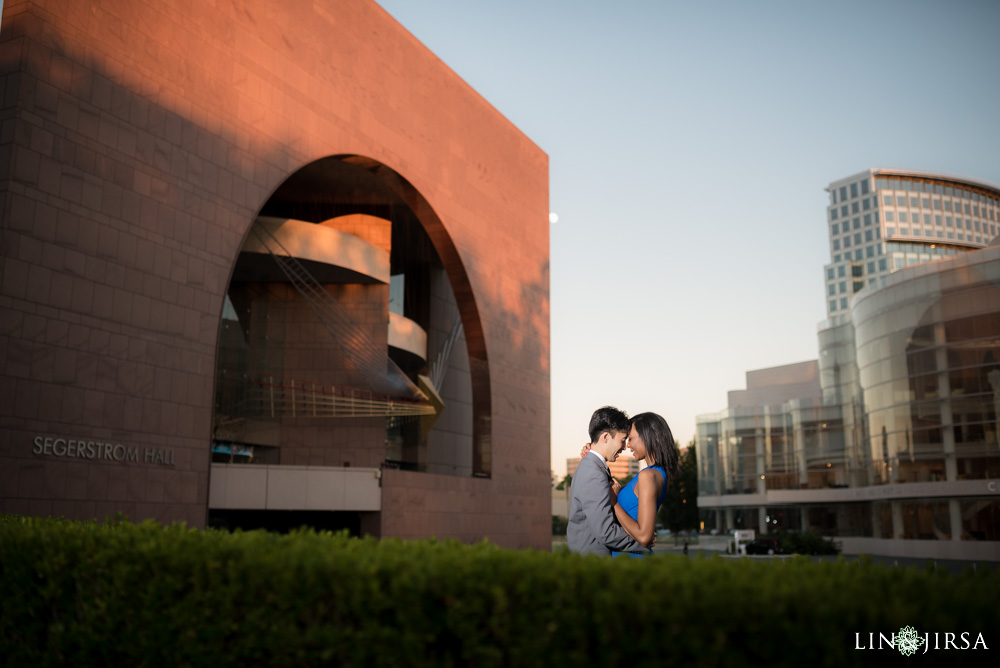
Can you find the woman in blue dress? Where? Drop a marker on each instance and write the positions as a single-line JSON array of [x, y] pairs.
[[639, 501]]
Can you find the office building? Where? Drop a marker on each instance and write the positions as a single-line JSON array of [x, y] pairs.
[[882, 220]]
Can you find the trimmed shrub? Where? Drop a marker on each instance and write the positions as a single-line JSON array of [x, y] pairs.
[[805, 542], [143, 595]]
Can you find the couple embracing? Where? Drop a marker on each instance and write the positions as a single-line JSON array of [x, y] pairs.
[[605, 518]]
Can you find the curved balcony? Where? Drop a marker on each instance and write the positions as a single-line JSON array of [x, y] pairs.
[[407, 335], [330, 255]]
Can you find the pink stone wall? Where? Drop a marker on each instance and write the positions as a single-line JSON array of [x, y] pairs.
[[138, 140]]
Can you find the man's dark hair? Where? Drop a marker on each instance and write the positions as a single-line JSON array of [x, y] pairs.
[[607, 419], [660, 447]]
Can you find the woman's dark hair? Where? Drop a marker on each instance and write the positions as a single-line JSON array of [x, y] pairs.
[[660, 447], [607, 419]]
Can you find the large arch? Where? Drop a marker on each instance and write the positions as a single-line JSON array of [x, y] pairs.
[[343, 185]]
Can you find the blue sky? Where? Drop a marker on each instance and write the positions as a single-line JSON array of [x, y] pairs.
[[689, 145]]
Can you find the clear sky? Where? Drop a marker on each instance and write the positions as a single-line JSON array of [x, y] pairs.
[[689, 145]]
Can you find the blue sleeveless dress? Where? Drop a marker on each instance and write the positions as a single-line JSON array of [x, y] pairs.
[[630, 504]]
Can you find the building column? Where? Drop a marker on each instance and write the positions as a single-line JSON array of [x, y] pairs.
[[955, 514], [944, 394], [799, 443], [761, 521], [729, 519], [897, 519], [758, 443]]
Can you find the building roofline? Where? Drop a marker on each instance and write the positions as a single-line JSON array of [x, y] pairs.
[[943, 176]]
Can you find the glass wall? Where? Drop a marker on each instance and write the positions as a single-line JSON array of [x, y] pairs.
[[929, 368]]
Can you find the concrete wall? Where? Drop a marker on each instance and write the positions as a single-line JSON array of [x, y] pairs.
[[138, 141]]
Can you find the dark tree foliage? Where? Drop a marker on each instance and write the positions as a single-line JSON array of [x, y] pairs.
[[679, 511]]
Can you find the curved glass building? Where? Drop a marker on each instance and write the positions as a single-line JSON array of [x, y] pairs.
[[890, 441]]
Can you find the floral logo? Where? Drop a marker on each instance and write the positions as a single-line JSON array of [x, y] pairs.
[[908, 641]]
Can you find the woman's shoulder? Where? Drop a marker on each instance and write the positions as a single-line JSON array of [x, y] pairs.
[[653, 473]]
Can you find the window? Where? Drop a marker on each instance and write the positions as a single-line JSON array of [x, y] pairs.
[[857, 238], [871, 267], [847, 241], [842, 287], [937, 204], [836, 244], [868, 219], [857, 285], [900, 201], [854, 190], [881, 264], [927, 219], [937, 219], [835, 228], [833, 214], [854, 207], [843, 211], [913, 202], [857, 254], [903, 218], [865, 204], [881, 184], [878, 233], [833, 304], [840, 271], [829, 274], [868, 235], [887, 200], [947, 205], [947, 221], [843, 302], [856, 270], [843, 193], [890, 231], [926, 203], [890, 216], [966, 209], [857, 223], [864, 187], [831, 289]]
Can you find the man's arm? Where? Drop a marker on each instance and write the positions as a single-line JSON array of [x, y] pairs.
[[595, 497]]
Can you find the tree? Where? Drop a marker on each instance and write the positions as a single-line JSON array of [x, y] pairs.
[[565, 482], [679, 511]]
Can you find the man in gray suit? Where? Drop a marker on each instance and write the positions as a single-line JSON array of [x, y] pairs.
[[592, 527]]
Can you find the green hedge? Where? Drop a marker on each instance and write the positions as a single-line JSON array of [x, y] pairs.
[[804, 542], [143, 595]]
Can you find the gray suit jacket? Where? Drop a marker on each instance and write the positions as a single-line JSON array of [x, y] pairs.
[[592, 527]]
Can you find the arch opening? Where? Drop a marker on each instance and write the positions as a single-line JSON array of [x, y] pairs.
[[350, 334]]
